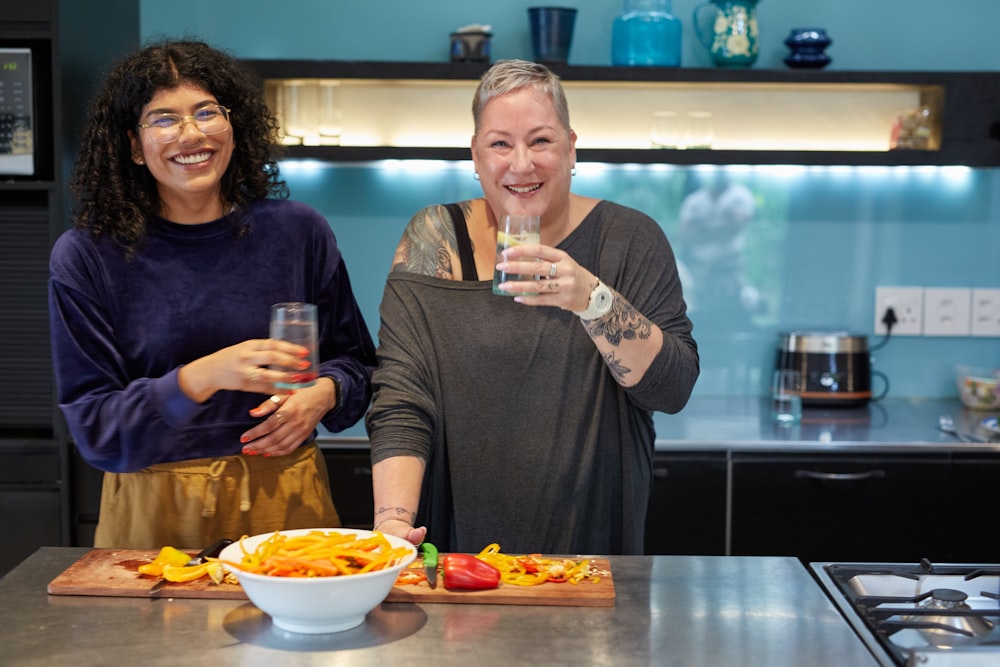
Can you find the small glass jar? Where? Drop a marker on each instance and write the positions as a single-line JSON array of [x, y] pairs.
[[646, 34]]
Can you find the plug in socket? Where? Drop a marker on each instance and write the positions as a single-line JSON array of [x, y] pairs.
[[908, 305]]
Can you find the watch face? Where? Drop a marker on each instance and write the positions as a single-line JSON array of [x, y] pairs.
[[602, 299]]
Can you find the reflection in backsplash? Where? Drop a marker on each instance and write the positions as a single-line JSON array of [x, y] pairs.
[[762, 249]]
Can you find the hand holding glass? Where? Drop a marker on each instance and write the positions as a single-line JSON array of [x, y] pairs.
[[296, 323], [513, 230]]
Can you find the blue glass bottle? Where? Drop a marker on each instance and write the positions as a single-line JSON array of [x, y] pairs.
[[647, 34]]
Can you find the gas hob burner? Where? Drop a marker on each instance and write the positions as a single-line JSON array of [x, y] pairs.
[[949, 630], [920, 614]]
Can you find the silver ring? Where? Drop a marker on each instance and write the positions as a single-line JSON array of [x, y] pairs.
[[552, 270], [275, 399], [253, 375]]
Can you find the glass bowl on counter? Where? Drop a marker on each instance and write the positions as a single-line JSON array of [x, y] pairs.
[[979, 387]]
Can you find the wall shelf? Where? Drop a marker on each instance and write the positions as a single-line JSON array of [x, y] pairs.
[[758, 116]]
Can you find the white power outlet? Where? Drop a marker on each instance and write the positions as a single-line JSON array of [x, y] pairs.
[[947, 311], [908, 305], [986, 312]]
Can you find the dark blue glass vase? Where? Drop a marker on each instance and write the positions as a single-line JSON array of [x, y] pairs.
[[807, 45]]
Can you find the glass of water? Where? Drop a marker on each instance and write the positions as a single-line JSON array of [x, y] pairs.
[[786, 397]]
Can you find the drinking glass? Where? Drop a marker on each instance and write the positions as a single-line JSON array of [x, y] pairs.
[[786, 401], [513, 230], [296, 323]]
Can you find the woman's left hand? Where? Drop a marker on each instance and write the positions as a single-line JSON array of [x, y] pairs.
[[288, 419], [561, 281]]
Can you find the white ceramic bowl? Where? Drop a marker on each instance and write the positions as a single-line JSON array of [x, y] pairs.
[[979, 387], [316, 605]]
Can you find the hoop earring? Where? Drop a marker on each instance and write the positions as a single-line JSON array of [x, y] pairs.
[[572, 172], [475, 175]]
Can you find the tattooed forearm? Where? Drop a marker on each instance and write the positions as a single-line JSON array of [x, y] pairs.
[[427, 245], [624, 322], [618, 371]]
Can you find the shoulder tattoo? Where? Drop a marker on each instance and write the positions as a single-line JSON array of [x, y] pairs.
[[427, 245]]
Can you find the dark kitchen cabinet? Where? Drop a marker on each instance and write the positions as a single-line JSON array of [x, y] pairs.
[[972, 519], [31, 505], [841, 507], [687, 506], [350, 470], [35, 496], [85, 494]]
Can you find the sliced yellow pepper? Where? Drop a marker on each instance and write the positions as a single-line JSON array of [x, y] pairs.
[[167, 556], [182, 573]]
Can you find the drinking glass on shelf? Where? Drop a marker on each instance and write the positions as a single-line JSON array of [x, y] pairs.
[[699, 130], [299, 111], [329, 113], [665, 132]]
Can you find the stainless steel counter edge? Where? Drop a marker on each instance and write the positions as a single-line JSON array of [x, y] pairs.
[[744, 425]]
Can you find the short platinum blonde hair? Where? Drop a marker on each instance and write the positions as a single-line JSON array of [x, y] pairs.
[[506, 76]]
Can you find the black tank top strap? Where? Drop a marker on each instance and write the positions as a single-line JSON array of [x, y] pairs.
[[465, 254]]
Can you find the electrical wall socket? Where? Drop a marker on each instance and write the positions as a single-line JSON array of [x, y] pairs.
[[907, 303], [985, 312], [947, 311]]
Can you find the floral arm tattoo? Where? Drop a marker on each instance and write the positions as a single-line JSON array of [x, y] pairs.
[[623, 322], [428, 244]]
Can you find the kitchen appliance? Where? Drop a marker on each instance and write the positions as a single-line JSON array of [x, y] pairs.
[[835, 367], [919, 614], [16, 114]]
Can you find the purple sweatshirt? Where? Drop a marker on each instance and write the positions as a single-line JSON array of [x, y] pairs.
[[122, 327]]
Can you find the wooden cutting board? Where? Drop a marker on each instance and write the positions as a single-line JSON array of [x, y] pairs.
[[584, 594], [113, 572]]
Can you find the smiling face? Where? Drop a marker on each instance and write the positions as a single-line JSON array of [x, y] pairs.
[[188, 170], [524, 155]]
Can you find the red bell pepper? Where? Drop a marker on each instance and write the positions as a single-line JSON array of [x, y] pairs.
[[465, 571]]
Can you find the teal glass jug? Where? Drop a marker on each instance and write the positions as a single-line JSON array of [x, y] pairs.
[[646, 34], [729, 30]]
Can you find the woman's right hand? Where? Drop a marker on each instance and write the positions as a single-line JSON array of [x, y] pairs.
[[242, 367]]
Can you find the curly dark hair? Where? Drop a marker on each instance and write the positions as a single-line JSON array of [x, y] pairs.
[[116, 196]]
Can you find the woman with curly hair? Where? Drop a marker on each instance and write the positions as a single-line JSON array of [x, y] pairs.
[[159, 303]]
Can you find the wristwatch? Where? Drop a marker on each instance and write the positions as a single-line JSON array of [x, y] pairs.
[[600, 302]]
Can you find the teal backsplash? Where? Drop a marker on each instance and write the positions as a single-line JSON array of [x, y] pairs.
[[765, 249]]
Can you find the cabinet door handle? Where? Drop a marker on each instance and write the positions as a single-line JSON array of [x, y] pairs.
[[840, 476]]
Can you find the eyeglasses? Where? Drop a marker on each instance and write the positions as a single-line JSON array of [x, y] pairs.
[[166, 127]]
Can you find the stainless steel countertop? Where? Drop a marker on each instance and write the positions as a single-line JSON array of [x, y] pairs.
[[670, 610], [743, 425]]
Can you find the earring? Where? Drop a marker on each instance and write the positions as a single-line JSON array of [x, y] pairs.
[[475, 175], [572, 172], [140, 161]]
